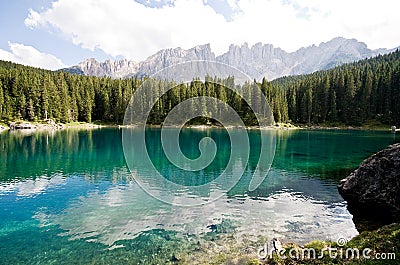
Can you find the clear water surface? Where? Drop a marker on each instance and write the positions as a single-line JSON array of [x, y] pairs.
[[69, 197]]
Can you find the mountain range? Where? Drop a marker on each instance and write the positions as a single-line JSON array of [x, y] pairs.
[[257, 61]]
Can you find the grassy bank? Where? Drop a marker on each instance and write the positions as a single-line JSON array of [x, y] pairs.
[[223, 249], [381, 246]]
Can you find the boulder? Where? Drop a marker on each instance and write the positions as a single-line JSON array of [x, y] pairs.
[[372, 191]]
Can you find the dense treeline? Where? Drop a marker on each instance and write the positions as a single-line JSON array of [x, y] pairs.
[[33, 94], [211, 87], [349, 94]]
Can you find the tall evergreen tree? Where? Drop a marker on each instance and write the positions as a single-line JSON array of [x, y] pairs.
[[1, 100]]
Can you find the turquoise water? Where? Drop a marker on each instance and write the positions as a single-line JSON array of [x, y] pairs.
[[69, 197]]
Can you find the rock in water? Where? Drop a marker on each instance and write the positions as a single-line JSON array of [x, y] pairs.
[[373, 190]]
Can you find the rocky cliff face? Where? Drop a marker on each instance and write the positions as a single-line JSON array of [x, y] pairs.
[[266, 61], [373, 190], [168, 57], [257, 61], [114, 69]]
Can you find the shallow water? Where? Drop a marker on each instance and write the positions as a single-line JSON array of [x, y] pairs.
[[69, 196]]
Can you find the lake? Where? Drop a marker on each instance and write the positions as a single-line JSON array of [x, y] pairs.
[[70, 196]]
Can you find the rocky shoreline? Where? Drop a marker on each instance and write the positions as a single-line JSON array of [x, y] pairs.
[[49, 124], [46, 125], [372, 191]]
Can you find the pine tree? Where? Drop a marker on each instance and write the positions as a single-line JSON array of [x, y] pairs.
[[31, 110], [332, 112], [291, 96], [324, 97], [365, 96], [1, 99], [63, 91], [309, 98], [44, 101]]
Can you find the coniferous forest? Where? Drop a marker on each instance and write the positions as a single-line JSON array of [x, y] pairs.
[[350, 94]]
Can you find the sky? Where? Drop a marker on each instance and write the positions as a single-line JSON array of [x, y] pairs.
[[53, 34]]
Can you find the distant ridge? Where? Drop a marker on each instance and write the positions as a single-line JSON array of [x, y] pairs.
[[257, 61]]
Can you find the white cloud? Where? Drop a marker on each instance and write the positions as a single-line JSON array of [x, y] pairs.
[[28, 55], [122, 213], [130, 29], [233, 4], [33, 187]]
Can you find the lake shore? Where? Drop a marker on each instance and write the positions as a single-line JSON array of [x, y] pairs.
[[43, 126], [384, 240], [51, 125]]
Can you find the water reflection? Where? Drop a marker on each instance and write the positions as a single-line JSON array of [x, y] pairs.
[[236, 155], [327, 154], [68, 151], [78, 181], [124, 211], [32, 187]]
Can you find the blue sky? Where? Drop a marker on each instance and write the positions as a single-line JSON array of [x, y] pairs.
[[58, 33], [13, 29]]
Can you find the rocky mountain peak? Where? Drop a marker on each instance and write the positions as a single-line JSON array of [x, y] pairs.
[[257, 61], [114, 69]]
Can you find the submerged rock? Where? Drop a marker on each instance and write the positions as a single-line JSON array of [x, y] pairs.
[[372, 191]]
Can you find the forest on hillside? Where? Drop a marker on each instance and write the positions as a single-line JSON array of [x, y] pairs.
[[350, 94]]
